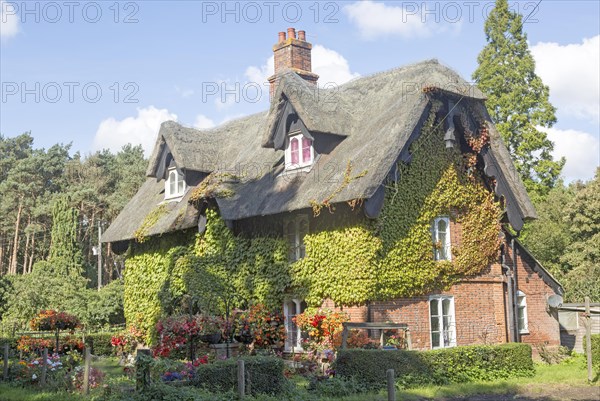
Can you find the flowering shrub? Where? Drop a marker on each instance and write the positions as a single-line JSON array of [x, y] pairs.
[[36, 345], [29, 372], [242, 328], [30, 345], [268, 327], [185, 372], [127, 340], [176, 331], [322, 326], [95, 378], [360, 339], [53, 320]]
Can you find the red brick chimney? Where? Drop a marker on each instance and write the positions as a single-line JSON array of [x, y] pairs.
[[292, 53]]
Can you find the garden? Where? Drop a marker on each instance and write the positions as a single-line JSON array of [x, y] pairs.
[[241, 355]]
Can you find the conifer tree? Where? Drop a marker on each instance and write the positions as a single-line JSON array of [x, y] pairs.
[[517, 99]]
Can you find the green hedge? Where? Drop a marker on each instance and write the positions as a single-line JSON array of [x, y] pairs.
[[449, 365], [596, 352], [264, 375], [100, 344]]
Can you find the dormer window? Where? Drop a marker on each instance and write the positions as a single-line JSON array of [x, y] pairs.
[[299, 152], [174, 184]]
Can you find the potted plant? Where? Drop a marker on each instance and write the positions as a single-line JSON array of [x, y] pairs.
[[210, 329]]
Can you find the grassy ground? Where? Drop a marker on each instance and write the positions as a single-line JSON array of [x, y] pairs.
[[564, 381]]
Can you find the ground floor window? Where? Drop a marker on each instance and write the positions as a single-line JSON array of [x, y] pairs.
[[293, 341], [522, 312], [443, 326]]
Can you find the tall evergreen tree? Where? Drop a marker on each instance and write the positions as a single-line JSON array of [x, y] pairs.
[[517, 98]]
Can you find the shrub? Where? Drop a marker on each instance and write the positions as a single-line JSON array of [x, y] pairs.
[[335, 386], [369, 367], [596, 353], [450, 365], [100, 344], [264, 375]]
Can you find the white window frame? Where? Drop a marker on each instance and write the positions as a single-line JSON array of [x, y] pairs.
[[179, 178], [522, 305], [436, 239], [298, 247], [301, 163], [448, 331], [291, 329]]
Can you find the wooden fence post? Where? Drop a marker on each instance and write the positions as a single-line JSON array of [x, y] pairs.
[[391, 385], [86, 372], [44, 367], [142, 370], [588, 338], [241, 378], [5, 370]]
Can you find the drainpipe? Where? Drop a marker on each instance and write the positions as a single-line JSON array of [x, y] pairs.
[[510, 318], [515, 291]]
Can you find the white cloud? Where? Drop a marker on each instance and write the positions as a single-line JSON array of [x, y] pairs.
[[139, 130], [572, 72], [409, 20], [9, 20], [203, 122], [261, 74], [581, 149], [330, 65]]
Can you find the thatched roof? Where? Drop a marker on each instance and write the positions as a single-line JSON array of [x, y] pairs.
[[374, 117]]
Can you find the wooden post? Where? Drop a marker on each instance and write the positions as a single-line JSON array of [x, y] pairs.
[[86, 372], [391, 385], [143, 370], [44, 367], [588, 338], [5, 370], [241, 378], [408, 339], [344, 336]]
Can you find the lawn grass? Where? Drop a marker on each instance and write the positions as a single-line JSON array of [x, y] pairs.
[[569, 373], [10, 393]]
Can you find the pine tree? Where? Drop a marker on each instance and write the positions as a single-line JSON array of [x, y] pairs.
[[517, 98]]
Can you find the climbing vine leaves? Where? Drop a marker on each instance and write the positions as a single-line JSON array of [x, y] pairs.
[[387, 258]]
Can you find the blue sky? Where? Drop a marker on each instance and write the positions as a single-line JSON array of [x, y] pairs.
[[104, 73]]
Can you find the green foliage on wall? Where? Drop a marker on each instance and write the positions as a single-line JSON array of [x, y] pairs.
[[212, 269], [394, 257], [147, 270], [376, 260]]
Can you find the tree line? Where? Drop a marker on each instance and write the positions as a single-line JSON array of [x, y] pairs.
[[31, 179], [52, 205]]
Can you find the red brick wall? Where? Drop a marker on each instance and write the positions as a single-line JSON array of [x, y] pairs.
[[479, 305], [543, 325]]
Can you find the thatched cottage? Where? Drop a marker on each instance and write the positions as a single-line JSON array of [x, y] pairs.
[[393, 196]]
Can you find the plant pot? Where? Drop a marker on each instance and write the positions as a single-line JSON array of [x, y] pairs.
[[244, 339], [213, 338]]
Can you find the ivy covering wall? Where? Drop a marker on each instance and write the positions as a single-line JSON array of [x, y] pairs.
[[393, 257], [386, 258], [167, 274]]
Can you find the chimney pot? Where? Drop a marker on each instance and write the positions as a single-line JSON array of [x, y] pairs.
[[292, 54], [291, 33]]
